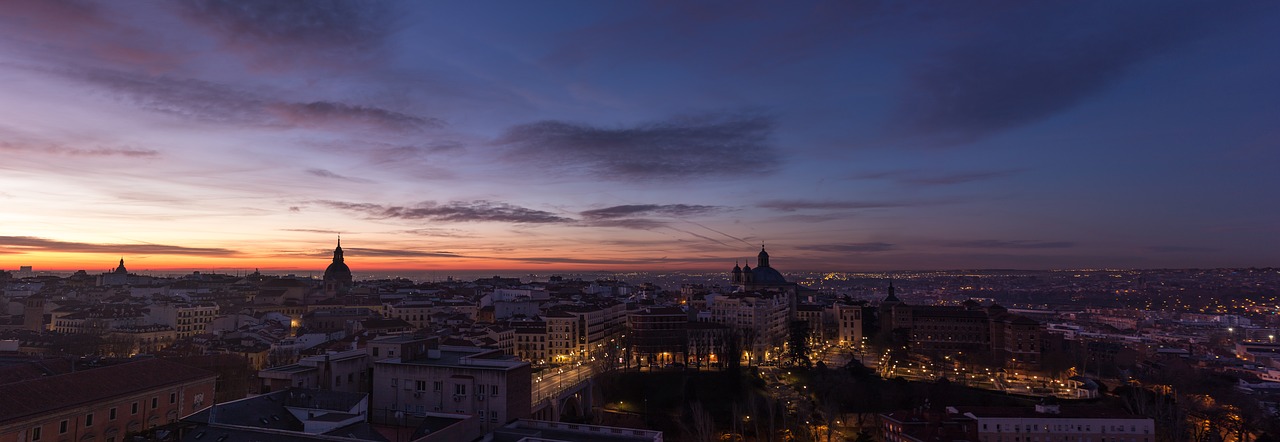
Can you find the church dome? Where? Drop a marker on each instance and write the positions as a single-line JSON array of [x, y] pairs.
[[338, 270], [767, 275], [335, 269]]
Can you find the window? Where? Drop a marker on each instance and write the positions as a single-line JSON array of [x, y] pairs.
[[155, 403], [493, 416], [35, 433], [88, 420], [437, 386], [493, 390], [394, 381], [422, 385], [62, 427], [337, 380], [111, 414], [375, 352], [133, 409], [173, 398], [459, 389]]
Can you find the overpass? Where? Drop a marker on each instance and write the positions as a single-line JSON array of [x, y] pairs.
[[562, 391]]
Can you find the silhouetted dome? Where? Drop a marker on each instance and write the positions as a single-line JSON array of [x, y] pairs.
[[767, 275], [337, 275], [337, 268]]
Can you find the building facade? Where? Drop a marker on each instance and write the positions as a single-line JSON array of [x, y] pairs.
[[102, 404], [420, 376]]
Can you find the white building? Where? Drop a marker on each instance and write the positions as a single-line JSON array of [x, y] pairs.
[[1053, 423], [848, 324], [187, 318], [758, 318]]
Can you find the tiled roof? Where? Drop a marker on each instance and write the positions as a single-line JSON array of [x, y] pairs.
[[1066, 412], [38, 396]]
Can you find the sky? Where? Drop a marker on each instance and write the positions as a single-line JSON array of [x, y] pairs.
[[645, 136]]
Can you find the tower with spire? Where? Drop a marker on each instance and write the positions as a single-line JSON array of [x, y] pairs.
[[337, 277]]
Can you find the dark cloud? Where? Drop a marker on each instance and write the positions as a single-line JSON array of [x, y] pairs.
[[273, 33], [679, 148], [326, 113], [794, 205], [456, 211], [86, 32], [32, 244], [857, 247], [674, 210], [1014, 244], [328, 174], [1025, 61]]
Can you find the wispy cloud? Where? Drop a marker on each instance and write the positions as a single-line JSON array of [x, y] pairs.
[[205, 101], [794, 205], [439, 233], [1009, 244], [327, 232], [323, 173], [678, 148], [629, 223], [456, 211], [673, 210], [924, 178], [357, 252], [857, 247], [272, 34], [599, 261], [327, 113], [64, 150], [32, 244], [1181, 249]]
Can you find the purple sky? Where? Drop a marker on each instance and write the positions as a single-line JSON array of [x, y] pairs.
[[848, 135]]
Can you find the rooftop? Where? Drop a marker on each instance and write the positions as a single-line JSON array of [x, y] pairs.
[[43, 395], [566, 432], [1066, 412], [468, 357]]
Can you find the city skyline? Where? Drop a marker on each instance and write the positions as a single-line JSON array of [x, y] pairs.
[[850, 136]]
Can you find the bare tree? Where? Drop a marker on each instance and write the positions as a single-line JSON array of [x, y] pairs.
[[703, 428]]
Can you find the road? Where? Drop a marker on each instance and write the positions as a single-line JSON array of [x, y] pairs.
[[549, 382]]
